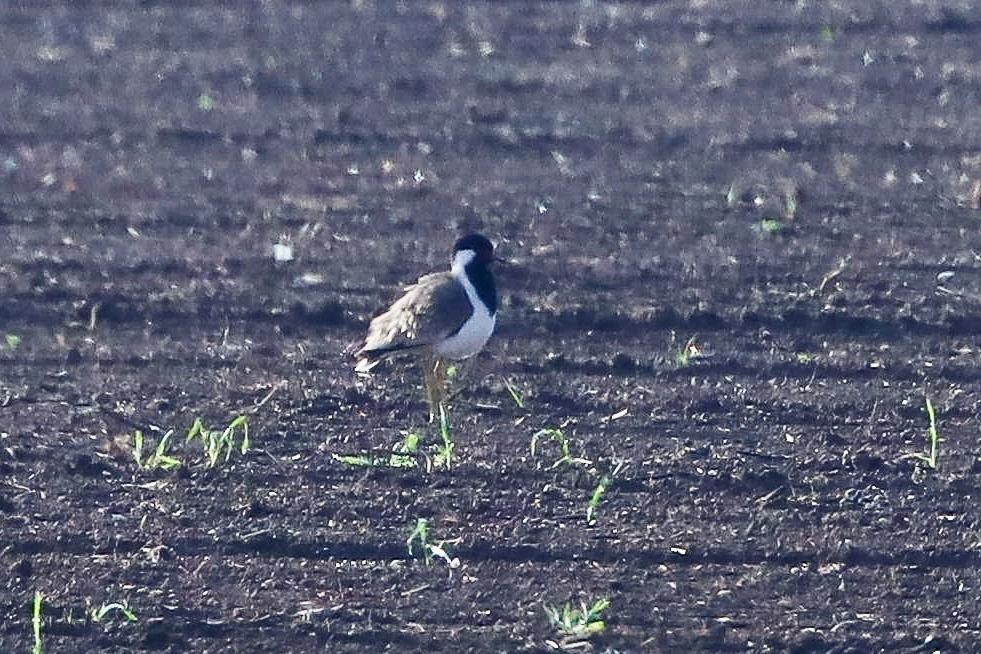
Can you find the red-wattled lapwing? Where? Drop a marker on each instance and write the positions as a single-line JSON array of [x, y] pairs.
[[445, 315]]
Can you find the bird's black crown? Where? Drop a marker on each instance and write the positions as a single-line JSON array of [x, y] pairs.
[[478, 244], [478, 270]]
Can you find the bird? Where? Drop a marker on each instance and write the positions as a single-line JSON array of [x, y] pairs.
[[444, 316]]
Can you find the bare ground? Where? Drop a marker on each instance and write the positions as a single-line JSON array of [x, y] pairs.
[[787, 193]]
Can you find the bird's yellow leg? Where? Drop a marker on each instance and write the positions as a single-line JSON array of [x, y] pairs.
[[428, 384], [439, 375]]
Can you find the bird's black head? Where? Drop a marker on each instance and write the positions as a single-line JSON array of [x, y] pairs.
[[482, 248]]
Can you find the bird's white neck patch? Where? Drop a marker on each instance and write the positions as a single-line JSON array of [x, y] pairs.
[[477, 329], [460, 261]]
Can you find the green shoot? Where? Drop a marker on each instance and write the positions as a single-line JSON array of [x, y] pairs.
[[688, 352], [732, 196], [395, 460], [770, 226], [578, 623], [99, 614], [12, 340], [216, 442], [159, 459], [600, 491], [559, 437], [597, 496], [357, 460], [444, 453], [420, 534], [933, 458], [516, 395], [410, 444], [403, 455], [791, 202], [138, 448], [36, 623], [405, 452]]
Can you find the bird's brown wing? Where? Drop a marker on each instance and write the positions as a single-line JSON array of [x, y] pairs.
[[433, 308]]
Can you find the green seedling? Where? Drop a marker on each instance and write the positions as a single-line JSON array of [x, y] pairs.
[[581, 623], [159, 459], [357, 460], [368, 461], [404, 455], [13, 341], [732, 196], [791, 202], [597, 496], [430, 551], [405, 452], [410, 444], [932, 459], [770, 226], [558, 436], [600, 491], [216, 442], [99, 614], [516, 395], [36, 623], [688, 352], [444, 452], [419, 533]]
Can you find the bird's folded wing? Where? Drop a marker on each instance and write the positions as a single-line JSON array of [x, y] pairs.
[[433, 308]]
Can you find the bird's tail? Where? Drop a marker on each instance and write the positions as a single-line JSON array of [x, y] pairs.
[[365, 364], [368, 359]]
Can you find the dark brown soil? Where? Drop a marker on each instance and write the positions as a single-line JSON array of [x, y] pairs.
[[794, 186]]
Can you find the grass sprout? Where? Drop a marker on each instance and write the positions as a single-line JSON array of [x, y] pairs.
[[407, 453], [357, 460], [732, 196], [159, 458], [429, 551], [36, 623], [99, 614], [597, 496], [578, 623], [419, 533], [444, 452], [791, 203], [12, 341], [558, 436], [688, 352], [932, 458], [600, 491], [217, 442], [515, 394], [770, 226], [403, 455]]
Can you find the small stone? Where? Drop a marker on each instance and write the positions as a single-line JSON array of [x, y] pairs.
[[282, 253]]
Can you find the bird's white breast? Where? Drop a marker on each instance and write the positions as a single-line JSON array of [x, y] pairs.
[[472, 337]]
